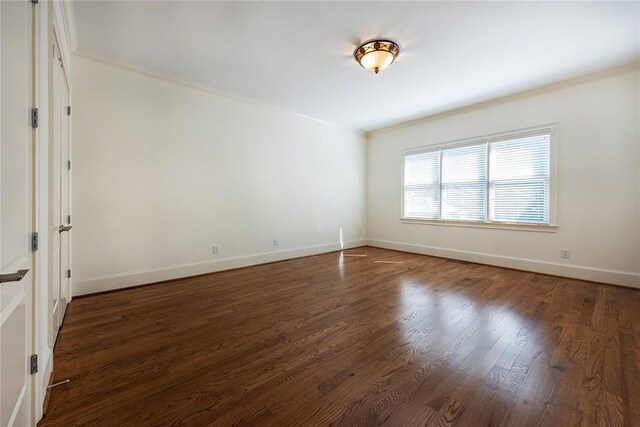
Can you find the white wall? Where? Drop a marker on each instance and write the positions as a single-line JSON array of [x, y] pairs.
[[163, 171], [598, 182]]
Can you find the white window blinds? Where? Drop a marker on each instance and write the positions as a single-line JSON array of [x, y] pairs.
[[503, 179], [519, 179], [464, 182], [422, 185]]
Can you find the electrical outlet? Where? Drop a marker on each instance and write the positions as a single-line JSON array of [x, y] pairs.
[[216, 249], [360, 233], [275, 242], [565, 253]]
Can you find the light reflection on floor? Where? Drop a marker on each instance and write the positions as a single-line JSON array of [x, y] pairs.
[[444, 318], [438, 319]]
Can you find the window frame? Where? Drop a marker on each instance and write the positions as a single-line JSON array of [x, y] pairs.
[[550, 227]]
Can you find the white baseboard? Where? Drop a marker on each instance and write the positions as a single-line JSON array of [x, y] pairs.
[[615, 277], [119, 281]]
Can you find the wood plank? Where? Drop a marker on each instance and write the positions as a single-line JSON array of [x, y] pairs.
[[377, 338]]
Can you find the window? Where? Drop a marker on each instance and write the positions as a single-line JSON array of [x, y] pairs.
[[464, 182], [504, 179], [422, 185]]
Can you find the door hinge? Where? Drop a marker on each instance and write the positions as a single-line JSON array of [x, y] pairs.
[[34, 241], [68, 219], [68, 110], [68, 274], [68, 164], [34, 118], [33, 364]]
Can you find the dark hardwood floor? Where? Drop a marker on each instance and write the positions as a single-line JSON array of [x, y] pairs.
[[371, 337]]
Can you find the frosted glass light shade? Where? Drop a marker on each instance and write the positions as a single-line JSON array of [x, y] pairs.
[[376, 55]]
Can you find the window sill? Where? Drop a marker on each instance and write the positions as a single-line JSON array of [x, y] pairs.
[[541, 228]]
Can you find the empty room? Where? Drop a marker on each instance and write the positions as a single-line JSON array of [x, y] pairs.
[[319, 213]]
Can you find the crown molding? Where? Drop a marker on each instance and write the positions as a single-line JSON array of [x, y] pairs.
[[620, 69], [203, 87], [635, 65]]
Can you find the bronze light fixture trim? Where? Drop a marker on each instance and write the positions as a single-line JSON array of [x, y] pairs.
[[376, 55]]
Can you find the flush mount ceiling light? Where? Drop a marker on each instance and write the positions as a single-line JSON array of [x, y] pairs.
[[376, 55]]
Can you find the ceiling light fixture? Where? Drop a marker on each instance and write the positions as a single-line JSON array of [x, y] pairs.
[[376, 55]]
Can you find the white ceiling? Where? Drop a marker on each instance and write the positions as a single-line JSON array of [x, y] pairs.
[[298, 55]]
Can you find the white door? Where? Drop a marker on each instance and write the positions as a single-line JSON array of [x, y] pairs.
[[62, 203], [55, 185], [61, 206], [16, 215], [65, 200]]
